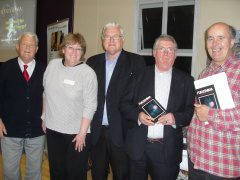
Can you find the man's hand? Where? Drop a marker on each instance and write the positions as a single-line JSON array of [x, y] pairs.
[[43, 127], [145, 119], [2, 129], [202, 111], [167, 119]]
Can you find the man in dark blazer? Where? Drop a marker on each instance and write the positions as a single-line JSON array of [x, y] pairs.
[[157, 148], [108, 128], [20, 111]]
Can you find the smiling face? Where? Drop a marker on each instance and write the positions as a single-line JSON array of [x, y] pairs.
[[72, 54], [219, 44], [27, 48], [113, 46], [163, 56]]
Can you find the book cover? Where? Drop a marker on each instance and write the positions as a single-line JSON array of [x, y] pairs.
[[152, 108], [207, 95], [221, 89]]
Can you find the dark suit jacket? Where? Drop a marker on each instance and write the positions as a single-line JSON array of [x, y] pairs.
[[180, 104], [21, 101], [126, 64]]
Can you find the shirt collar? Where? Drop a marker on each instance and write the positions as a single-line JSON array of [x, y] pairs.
[[163, 73], [30, 64], [114, 61], [63, 60], [229, 59]]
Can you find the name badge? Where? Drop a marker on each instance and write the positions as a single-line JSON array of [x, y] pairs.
[[70, 82]]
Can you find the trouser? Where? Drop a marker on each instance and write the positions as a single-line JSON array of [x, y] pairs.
[[105, 153], [12, 149], [65, 162], [153, 162]]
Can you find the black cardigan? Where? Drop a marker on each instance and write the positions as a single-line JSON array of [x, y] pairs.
[[21, 101]]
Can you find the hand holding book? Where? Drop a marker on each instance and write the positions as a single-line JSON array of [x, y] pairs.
[[152, 108], [202, 112], [167, 119], [145, 119]]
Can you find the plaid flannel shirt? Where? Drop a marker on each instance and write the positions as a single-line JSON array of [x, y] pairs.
[[215, 147]]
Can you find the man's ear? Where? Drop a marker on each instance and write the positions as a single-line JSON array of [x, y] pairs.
[[232, 42], [17, 47], [154, 52], [175, 53], [36, 49]]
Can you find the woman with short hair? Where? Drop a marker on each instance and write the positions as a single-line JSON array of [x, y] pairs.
[[70, 101]]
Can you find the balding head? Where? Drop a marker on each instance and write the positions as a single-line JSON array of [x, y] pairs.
[[220, 38]]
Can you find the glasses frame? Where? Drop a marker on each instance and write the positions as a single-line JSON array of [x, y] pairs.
[[72, 49], [114, 37], [169, 50], [31, 46]]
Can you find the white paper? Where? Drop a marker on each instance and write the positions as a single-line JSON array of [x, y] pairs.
[[221, 87]]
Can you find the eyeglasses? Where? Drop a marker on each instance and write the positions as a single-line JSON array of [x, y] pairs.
[[71, 49], [114, 37], [24, 45], [163, 49]]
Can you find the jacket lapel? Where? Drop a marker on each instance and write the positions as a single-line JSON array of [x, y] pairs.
[[173, 89], [19, 71], [151, 82], [171, 99], [102, 73], [150, 85], [35, 72]]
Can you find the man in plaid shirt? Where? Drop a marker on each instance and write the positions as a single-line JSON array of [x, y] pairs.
[[214, 147]]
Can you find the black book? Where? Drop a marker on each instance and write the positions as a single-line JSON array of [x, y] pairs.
[[152, 108], [207, 95]]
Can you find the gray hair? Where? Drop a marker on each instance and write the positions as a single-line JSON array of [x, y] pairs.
[[165, 37], [113, 24], [232, 31], [30, 34]]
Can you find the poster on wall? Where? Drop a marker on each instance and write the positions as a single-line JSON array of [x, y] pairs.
[[55, 34], [16, 17]]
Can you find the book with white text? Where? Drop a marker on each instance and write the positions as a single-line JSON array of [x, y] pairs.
[[152, 108], [207, 95], [221, 90]]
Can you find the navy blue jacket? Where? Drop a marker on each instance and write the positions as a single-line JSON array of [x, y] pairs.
[[180, 104], [126, 64]]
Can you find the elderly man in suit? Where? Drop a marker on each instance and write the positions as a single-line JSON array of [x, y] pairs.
[[20, 111], [157, 147], [113, 69]]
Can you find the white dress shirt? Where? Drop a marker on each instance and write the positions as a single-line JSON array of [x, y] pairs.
[[162, 89], [30, 68]]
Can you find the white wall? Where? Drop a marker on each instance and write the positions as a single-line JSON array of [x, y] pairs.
[[91, 15], [212, 11]]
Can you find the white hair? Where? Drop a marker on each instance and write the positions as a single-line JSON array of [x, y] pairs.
[[113, 24], [165, 37], [30, 34]]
